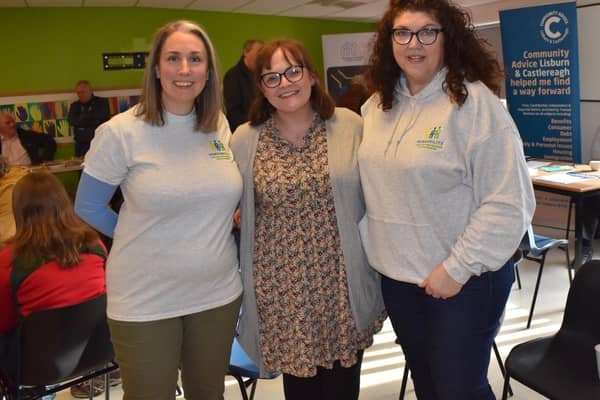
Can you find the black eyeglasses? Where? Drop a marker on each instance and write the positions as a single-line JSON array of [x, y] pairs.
[[425, 36], [273, 79]]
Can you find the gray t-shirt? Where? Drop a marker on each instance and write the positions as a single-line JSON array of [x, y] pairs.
[[173, 252]]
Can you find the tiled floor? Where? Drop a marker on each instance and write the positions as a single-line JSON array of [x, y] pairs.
[[383, 363]]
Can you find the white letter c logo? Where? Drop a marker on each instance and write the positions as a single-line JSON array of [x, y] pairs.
[[548, 31]]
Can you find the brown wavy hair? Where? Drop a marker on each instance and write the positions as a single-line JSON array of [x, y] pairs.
[[209, 103], [294, 52], [47, 227], [465, 54]]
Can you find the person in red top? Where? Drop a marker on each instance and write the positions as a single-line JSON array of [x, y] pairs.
[[54, 259]]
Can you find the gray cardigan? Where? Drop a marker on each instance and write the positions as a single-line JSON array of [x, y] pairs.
[[344, 132]]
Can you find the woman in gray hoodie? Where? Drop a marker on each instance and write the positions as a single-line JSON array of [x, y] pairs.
[[448, 194]]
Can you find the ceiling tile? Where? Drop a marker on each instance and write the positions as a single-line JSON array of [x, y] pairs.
[[272, 7], [12, 3], [372, 11], [310, 10], [471, 3], [110, 3], [217, 5], [163, 3], [54, 3]]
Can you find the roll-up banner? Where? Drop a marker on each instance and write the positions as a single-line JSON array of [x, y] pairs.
[[542, 78], [344, 55]]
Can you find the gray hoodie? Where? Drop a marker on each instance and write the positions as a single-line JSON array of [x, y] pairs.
[[442, 183]]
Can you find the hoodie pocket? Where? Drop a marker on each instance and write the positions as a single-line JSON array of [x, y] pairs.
[[395, 246]]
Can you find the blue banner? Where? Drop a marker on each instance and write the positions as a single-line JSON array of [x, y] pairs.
[[542, 78]]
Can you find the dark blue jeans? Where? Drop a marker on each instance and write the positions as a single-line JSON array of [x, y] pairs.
[[447, 343]]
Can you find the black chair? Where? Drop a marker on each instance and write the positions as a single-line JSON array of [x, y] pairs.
[[563, 366], [60, 347], [535, 248]]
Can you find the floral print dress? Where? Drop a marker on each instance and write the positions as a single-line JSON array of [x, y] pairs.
[[305, 319]]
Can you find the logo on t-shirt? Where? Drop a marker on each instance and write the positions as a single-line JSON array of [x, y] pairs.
[[218, 151], [432, 139]]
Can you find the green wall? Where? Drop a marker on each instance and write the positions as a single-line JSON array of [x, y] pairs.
[[49, 49]]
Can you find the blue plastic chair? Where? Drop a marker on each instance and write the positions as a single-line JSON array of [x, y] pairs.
[[535, 248], [245, 372]]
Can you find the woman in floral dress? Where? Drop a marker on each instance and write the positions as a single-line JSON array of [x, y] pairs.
[[311, 302]]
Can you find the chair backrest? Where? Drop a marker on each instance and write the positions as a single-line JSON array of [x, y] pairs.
[[582, 312], [58, 344], [539, 244], [530, 237], [528, 241]]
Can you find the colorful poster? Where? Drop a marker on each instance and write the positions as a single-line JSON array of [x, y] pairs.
[[51, 117], [542, 78]]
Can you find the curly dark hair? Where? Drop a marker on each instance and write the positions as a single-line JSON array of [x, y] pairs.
[[294, 52], [465, 54]]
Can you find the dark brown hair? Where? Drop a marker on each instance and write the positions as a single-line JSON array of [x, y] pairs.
[[295, 53], [47, 227], [465, 55], [209, 103]]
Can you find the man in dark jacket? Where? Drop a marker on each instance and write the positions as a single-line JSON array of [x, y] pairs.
[[85, 115], [23, 147], [238, 85]]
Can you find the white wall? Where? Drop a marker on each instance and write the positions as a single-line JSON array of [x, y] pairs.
[[488, 12], [588, 16]]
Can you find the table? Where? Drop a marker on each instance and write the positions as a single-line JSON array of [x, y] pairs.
[[576, 191], [59, 166]]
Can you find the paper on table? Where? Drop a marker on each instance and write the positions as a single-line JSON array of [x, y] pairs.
[[560, 178], [533, 171], [537, 164]]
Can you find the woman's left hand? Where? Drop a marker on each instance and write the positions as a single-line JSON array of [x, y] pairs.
[[440, 285]]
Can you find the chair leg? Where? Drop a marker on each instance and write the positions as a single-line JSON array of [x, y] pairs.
[[242, 386], [535, 291], [506, 387], [569, 221], [91, 389], [106, 387], [253, 389], [570, 267], [501, 365], [404, 382], [518, 275]]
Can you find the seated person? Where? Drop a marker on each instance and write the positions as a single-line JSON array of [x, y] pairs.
[[47, 228], [8, 178], [23, 147]]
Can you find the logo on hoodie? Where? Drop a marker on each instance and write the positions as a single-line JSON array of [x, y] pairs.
[[431, 141]]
